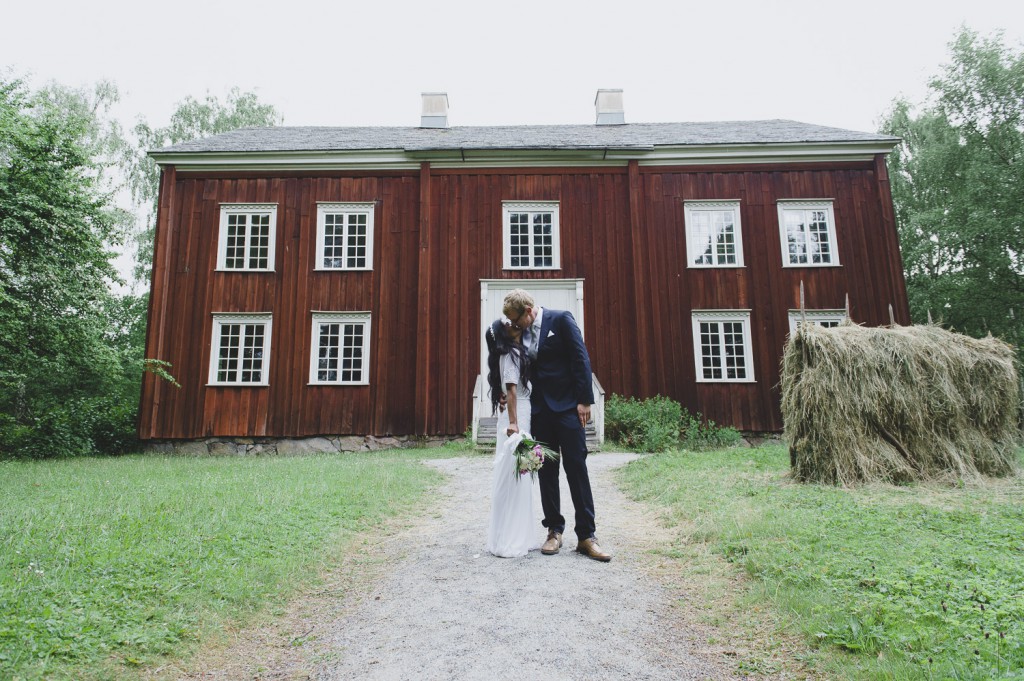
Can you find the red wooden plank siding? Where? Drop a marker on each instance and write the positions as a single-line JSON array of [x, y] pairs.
[[438, 232]]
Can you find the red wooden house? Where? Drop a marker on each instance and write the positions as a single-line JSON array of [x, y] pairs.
[[330, 281]]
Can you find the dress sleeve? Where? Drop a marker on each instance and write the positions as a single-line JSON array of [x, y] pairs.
[[509, 370]]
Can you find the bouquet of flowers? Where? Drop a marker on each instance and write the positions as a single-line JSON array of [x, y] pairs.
[[529, 456]]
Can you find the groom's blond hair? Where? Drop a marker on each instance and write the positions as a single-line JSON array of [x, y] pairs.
[[516, 301]]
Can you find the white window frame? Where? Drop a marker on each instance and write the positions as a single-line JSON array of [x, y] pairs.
[[250, 209], [222, 319], [531, 207], [323, 209], [818, 317], [695, 250], [319, 318], [722, 316], [825, 205]]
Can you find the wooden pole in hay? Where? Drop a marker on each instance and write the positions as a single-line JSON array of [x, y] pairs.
[[803, 309], [848, 318], [800, 328], [892, 317], [929, 316]]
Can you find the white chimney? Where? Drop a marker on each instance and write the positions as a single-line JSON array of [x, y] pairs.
[[609, 107], [435, 110]]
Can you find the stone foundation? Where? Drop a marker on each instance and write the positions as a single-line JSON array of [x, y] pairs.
[[269, 446]]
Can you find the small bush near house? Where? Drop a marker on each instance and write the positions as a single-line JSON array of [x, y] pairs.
[[650, 425], [699, 434], [660, 423]]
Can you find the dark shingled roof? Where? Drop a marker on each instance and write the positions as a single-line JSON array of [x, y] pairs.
[[523, 137]]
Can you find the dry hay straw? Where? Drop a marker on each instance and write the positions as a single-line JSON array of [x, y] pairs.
[[898, 404]]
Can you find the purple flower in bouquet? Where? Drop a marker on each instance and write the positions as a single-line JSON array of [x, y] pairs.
[[530, 456]]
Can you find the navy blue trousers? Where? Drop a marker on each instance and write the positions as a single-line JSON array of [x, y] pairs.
[[561, 432]]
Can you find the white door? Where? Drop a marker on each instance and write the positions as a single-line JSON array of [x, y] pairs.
[[556, 294]]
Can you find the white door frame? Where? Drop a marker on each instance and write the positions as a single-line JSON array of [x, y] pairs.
[[537, 287], [569, 290]]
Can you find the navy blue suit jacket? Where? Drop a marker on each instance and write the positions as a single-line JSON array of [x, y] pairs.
[[560, 374]]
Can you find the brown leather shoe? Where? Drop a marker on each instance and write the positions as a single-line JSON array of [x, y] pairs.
[[553, 543], [590, 549]]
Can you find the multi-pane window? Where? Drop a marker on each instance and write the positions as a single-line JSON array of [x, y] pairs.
[[247, 235], [240, 353], [344, 236], [713, 234], [531, 235], [340, 352], [826, 318], [722, 350], [808, 233]]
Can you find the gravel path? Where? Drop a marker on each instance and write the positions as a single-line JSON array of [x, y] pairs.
[[446, 609]]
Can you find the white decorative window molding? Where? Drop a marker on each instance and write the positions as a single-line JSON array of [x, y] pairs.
[[807, 229], [240, 349], [826, 318], [721, 346], [344, 236], [248, 233], [531, 235], [714, 237], [340, 351]]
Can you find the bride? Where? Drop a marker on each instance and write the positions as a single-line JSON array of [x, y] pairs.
[[510, 533]]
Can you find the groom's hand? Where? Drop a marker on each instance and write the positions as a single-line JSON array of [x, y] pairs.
[[502, 401], [583, 412]]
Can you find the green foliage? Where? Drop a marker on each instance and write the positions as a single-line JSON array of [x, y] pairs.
[[112, 563], [71, 352], [958, 187], [697, 433], [650, 425], [68, 373], [660, 423], [882, 582], [193, 119]]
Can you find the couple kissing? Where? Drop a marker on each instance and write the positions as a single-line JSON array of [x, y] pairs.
[[539, 376]]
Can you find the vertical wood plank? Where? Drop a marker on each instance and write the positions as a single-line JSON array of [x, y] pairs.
[[424, 374]]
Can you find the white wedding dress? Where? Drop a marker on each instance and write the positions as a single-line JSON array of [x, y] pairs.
[[511, 532]]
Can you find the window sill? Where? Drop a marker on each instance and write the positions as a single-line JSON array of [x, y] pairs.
[[243, 271], [809, 265], [343, 269], [725, 380], [531, 269], [716, 267]]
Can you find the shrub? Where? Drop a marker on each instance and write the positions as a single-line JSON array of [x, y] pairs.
[[76, 427], [659, 423], [650, 425], [698, 433]]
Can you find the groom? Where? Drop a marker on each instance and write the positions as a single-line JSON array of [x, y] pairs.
[[562, 392]]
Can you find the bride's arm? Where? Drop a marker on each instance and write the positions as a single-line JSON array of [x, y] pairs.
[[513, 416]]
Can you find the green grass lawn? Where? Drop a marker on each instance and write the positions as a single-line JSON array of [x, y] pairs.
[[881, 582], [109, 564]]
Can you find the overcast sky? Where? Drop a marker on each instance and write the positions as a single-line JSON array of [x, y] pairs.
[[502, 63], [517, 62]]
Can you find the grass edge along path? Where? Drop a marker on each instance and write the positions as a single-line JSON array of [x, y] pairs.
[[112, 565], [880, 582]]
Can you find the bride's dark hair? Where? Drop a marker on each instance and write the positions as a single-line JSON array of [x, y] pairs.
[[499, 343]]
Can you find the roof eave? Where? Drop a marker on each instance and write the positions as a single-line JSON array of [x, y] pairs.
[[399, 159]]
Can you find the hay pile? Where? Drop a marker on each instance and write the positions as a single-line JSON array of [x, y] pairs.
[[898, 404]]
